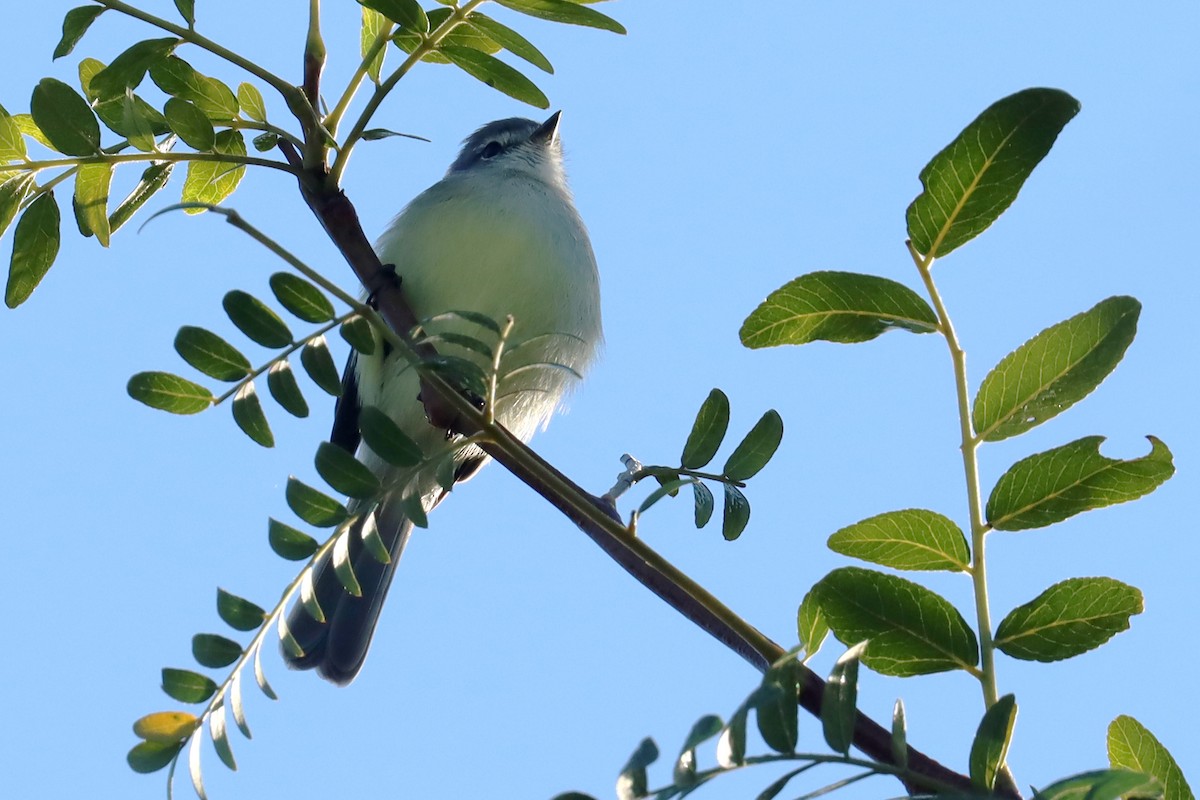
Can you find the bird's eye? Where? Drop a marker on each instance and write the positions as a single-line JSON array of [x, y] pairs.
[[491, 150]]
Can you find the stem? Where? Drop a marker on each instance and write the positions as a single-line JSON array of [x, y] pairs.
[[970, 457], [334, 118], [428, 44], [228, 158]]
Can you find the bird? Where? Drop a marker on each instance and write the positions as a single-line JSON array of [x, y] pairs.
[[498, 235]]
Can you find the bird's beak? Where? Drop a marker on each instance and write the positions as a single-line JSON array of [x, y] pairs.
[[547, 132]]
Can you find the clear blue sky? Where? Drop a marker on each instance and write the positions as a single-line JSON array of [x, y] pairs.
[[716, 152]]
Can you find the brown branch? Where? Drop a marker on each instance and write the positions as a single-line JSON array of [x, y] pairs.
[[340, 220]]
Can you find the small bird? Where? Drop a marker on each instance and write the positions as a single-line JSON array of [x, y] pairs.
[[499, 236]]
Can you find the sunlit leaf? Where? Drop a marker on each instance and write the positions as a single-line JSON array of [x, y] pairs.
[[176, 77], [990, 746], [12, 143], [219, 731], [913, 539], [899, 735], [165, 727], [843, 307], [212, 181], [978, 175], [341, 563], [35, 246], [12, 193], [373, 25], [406, 13], [1105, 784], [1054, 370], [811, 627], [1068, 480], [92, 182], [511, 41], [1132, 746], [251, 101], [1070, 618], [912, 630], [168, 392]]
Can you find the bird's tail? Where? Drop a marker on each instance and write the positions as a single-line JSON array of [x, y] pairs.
[[337, 647]]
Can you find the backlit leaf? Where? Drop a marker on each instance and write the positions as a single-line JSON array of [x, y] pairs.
[[255, 319], [1070, 618], [843, 307], [191, 124], [978, 175], [212, 181], [35, 246], [1060, 483], [129, 68], [496, 74], [251, 101], [406, 13], [91, 199], [176, 77], [912, 630], [511, 41], [564, 11], [1132, 746], [913, 539], [811, 627], [212, 355], [168, 392]]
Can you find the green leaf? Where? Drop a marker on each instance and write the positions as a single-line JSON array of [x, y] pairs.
[[187, 686], [281, 382], [129, 68], [211, 650], [1055, 369], [1133, 746], [301, 298], [708, 431], [211, 354], [318, 363], [373, 24], [731, 747], [839, 701], [12, 193], [212, 181], [775, 706], [177, 78], [316, 508], [811, 627], [190, 124], [289, 543], [463, 35], [165, 727], [754, 451], [842, 307], [65, 118], [511, 41], [704, 729], [29, 128], [12, 144], [139, 119], [899, 735], [563, 11], [912, 630], [631, 783], [88, 69], [187, 10], [249, 416], [1070, 618], [408, 14], [91, 199], [990, 746], [251, 101], [496, 74], [358, 334], [253, 318], [1105, 784], [168, 392], [75, 25], [1060, 483], [704, 503], [971, 182], [345, 473], [148, 757], [385, 438], [414, 509], [265, 142], [35, 246], [913, 539], [239, 613], [153, 178], [736, 514], [671, 487]]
